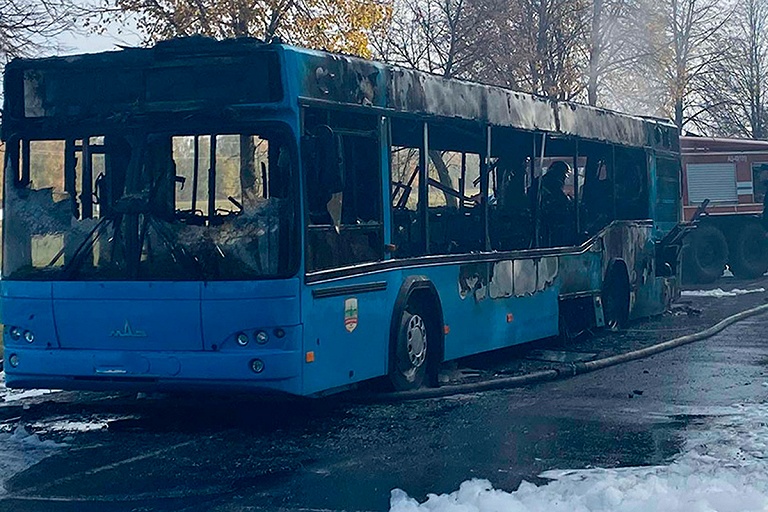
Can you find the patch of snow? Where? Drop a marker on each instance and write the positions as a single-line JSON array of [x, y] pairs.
[[64, 425], [723, 468], [11, 395], [719, 292]]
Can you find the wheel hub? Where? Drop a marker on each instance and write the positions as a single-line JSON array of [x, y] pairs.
[[416, 338]]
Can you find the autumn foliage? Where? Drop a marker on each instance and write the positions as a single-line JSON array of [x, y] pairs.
[[336, 25]]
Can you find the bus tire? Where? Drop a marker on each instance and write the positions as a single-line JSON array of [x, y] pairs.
[[408, 368], [705, 255], [615, 295], [416, 336], [749, 251]]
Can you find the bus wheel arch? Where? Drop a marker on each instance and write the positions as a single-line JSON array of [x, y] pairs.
[[615, 294], [416, 335]]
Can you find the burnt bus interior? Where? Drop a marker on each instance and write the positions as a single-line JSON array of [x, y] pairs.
[[139, 205], [457, 187], [115, 194], [194, 205]]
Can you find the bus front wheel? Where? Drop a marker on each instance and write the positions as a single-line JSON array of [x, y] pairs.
[[408, 367]]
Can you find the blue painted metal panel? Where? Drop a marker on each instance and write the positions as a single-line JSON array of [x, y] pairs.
[[28, 306], [128, 315], [232, 307], [153, 370], [347, 349], [480, 318]]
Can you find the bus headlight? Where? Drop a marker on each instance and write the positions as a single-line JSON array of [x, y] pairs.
[[257, 365], [13, 360], [262, 337], [29, 336], [15, 333], [242, 339]]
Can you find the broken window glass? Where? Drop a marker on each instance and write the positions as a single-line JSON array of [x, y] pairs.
[[343, 167], [154, 206]]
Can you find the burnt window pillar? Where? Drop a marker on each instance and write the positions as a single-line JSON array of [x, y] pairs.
[[212, 179], [384, 143], [576, 191], [423, 212], [484, 193], [86, 197]]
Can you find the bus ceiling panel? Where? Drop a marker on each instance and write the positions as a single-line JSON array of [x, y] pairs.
[[466, 137], [561, 146]]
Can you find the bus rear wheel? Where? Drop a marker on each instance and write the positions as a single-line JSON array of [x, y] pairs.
[[749, 252], [408, 365], [615, 295]]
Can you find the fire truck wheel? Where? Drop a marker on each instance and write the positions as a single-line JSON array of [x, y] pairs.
[[705, 255], [749, 252]]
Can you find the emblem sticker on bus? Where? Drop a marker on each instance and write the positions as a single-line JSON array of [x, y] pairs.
[[350, 314], [128, 332]]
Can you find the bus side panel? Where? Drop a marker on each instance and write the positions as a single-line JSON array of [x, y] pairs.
[[487, 306], [346, 330], [581, 273], [633, 243]]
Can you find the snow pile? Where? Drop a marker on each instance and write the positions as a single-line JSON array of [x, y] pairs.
[[719, 292], [723, 468]]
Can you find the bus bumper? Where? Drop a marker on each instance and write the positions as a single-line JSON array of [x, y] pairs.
[[278, 370]]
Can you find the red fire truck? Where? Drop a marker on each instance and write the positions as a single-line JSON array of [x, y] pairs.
[[731, 174]]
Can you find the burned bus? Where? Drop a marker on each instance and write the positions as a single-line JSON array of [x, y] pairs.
[[243, 215]]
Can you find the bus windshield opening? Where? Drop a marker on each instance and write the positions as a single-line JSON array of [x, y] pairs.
[[151, 206]]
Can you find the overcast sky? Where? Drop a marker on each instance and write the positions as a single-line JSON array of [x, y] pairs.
[[72, 42]]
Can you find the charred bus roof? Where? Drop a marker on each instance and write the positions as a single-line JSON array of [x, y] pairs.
[[194, 74], [110, 89], [333, 78]]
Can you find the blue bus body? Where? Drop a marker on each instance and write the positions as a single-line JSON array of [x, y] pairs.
[[307, 331]]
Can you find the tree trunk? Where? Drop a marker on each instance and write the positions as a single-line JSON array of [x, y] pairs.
[[444, 177]]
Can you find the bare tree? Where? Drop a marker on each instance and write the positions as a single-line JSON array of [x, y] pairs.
[[29, 27], [539, 47], [614, 47], [444, 37], [683, 52], [736, 93]]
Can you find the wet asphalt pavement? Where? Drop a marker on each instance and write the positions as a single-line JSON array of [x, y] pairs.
[[239, 454]]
